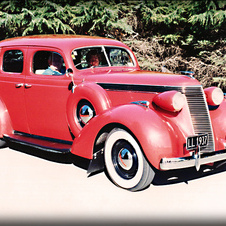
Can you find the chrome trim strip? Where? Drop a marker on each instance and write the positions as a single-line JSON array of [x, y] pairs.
[[143, 88], [106, 56], [189, 161], [42, 138], [143, 103]]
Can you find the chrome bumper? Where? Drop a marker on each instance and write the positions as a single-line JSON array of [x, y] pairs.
[[190, 161]]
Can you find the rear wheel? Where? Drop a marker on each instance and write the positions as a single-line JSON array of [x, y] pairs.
[[125, 163]]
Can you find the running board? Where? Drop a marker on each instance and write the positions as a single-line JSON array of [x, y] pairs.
[[41, 143]]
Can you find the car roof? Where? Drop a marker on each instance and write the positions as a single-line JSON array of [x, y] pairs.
[[60, 41]]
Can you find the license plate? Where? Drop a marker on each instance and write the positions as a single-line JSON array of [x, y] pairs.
[[194, 141]]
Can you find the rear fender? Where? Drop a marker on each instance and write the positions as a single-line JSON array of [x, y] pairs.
[[152, 133]]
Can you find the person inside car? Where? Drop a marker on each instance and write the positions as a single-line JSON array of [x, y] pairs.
[[55, 62], [93, 58]]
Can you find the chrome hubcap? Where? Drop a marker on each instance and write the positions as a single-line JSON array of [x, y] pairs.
[[125, 159], [86, 113]]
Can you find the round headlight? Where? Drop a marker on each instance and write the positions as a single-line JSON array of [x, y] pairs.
[[178, 101], [170, 100], [214, 96]]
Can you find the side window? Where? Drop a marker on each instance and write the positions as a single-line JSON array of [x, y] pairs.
[[13, 61], [48, 63], [119, 57], [89, 57]]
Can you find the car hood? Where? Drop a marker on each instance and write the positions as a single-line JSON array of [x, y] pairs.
[[135, 77]]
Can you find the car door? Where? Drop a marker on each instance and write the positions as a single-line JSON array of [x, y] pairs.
[[46, 97], [12, 77]]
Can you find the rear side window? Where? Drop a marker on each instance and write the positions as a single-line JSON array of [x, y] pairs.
[[48, 63], [13, 61]]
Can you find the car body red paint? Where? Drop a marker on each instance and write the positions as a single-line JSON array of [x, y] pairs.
[[46, 111]]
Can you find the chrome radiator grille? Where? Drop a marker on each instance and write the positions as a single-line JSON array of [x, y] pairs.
[[199, 114]]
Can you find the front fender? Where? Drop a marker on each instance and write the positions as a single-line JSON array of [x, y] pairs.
[[152, 132], [218, 118]]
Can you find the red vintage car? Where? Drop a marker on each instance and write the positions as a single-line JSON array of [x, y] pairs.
[[87, 97]]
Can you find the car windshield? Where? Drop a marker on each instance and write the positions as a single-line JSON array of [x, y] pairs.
[[101, 57]]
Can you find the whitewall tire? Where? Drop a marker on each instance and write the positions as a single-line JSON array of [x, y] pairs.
[[125, 163]]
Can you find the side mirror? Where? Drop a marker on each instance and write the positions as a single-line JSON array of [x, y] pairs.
[[69, 72]]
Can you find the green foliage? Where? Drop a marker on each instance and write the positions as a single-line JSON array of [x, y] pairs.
[[47, 19], [212, 16], [100, 18], [195, 27], [192, 18], [171, 38], [37, 17], [174, 20]]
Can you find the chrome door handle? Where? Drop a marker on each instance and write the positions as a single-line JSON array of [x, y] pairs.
[[27, 85], [18, 85]]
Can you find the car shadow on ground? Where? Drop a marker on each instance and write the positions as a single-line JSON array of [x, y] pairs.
[[188, 174], [161, 177], [64, 158]]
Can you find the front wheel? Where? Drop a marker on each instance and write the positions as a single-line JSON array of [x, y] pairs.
[[125, 163]]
